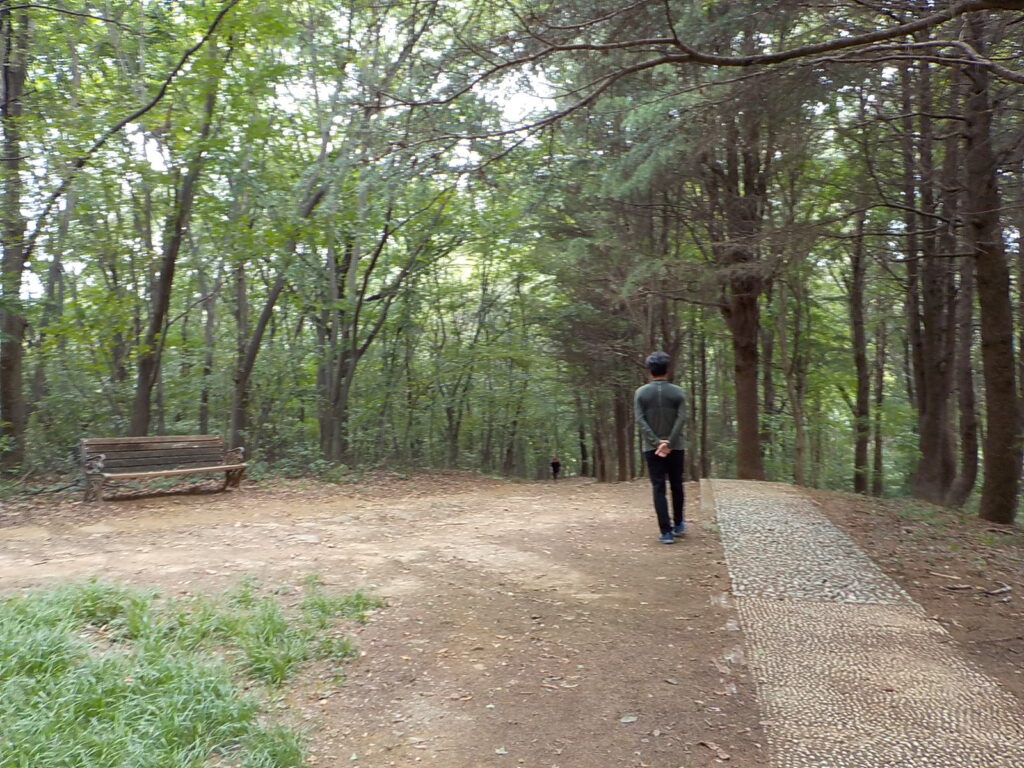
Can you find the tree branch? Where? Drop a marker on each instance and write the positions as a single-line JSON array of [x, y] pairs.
[[80, 162], [66, 12]]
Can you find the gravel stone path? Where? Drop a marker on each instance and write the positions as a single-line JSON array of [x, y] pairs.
[[851, 671]]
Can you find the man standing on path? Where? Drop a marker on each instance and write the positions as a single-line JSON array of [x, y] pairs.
[[661, 415]]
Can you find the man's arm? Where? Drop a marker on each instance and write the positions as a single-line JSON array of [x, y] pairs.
[[641, 420], [680, 423]]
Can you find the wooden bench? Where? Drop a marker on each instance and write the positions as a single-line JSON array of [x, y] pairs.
[[116, 458]]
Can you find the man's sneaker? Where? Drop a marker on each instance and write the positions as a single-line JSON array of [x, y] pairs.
[[679, 530], [666, 538]]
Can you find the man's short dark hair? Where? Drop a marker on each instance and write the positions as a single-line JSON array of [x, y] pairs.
[[657, 363]]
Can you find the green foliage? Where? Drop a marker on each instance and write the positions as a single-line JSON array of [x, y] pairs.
[[437, 307]]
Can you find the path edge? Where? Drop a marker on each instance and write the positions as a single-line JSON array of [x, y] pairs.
[[707, 500]]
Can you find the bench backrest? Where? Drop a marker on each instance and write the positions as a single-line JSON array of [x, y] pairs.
[[152, 454]]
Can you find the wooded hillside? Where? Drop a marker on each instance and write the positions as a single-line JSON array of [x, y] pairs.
[[445, 233]]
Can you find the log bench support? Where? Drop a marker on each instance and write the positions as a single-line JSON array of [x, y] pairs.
[[116, 458]]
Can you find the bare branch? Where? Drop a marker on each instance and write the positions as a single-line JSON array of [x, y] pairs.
[[67, 12], [689, 54]]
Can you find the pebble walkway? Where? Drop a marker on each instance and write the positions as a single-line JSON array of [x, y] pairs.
[[851, 672]]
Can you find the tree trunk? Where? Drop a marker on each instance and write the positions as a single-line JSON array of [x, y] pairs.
[[53, 306], [209, 303], [249, 345], [621, 426], [792, 361], [937, 466], [962, 486], [743, 320], [982, 211], [768, 425], [1020, 284], [861, 415], [14, 39], [692, 444], [705, 452], [582, 433], [915, 367], [152, 345], [878, 468]]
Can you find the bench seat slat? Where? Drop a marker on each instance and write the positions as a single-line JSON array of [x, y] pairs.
[[154, 466], [126, 460], [170, 450], [189, 470], [143, 441], [154, 447]]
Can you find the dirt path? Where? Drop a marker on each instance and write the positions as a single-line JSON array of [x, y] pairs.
[[527, 625]]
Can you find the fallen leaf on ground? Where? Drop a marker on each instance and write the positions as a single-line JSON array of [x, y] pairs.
[[720, 753]]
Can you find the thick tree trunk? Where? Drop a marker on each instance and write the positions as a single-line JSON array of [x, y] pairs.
[[705, 452], [600, 447], [736, 189], [792, 360], [768, 410], [878, 467], [509, 465], [343, 412], [14, 39], [53, 306], [961, 488], [861, 415], [452, 428], [1019, 222], [692, 444], [581, 431], [817, 447], [937, 466], [238, 425], [915, 375], [982, 211], [209, 343], [621, 426], [743, 320]]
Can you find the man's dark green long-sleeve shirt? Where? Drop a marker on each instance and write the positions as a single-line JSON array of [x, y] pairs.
[[661, 414]]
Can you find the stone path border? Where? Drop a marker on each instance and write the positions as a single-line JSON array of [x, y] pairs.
[[851, 672]]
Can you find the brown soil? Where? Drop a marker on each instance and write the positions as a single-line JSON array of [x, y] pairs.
[[526, 624], [967, 573]]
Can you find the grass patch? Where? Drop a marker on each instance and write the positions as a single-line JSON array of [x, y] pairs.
[[98, 675], [320, 608], [929, 515]]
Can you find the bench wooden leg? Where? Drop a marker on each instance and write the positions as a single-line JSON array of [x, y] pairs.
[[233, 478], [94, 487]]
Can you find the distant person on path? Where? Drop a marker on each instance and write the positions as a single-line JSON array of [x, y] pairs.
[[661, 415], [556, 467]]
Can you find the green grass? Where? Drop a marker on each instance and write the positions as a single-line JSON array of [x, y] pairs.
[[912, 510], [320, 608], [98, 675]]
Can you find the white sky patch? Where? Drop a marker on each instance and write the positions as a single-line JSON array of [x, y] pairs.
[[464, 154], [31, 286], [522, 98], [146, 147]]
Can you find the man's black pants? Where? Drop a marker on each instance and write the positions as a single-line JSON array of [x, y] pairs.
[[661, 468]]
